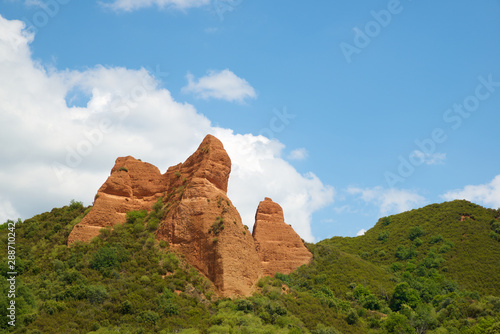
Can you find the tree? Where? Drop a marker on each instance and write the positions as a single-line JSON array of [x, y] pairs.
[[415, 232], [398, 324], [404, 294], [423, 318]]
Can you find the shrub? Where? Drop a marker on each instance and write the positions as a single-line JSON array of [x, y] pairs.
[[352, 317], [404, 253], [169, 308], [398, 324], [495, 236], [96, 294], [123, 168], [446, 247], [436, 239], [74, 205], [145, 280], [158, 205], [126, 307], [244, 305], [415, 232], [108, 257], [149, 318], [371, 302], [418, 242], [386, 221], [135, 216], [383, 236], [217, 226], [396, 266], [404, 294]]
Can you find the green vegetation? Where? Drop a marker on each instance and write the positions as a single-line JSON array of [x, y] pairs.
[[423, 271], [217, 226]]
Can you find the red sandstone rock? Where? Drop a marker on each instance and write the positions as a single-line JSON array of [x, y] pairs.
[[204, 225], [200, 221], [132, 185], [280, 249]]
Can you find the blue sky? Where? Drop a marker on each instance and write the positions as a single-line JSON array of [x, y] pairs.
[[342, 112]]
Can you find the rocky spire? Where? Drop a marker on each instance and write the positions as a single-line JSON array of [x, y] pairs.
[[280, 249]]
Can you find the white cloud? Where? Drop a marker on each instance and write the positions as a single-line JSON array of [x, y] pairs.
[[52, 153], [7, 211], [298, 154], [428, 158], [361, 232], [486, 194], [222, 85], [390, 201], [131, 5]]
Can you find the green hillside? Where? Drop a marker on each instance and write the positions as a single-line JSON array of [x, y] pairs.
[[462, 233], [423, 271]]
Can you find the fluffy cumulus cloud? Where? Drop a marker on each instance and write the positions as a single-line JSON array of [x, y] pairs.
[[222, 85], [389, 200], [54, 150], [131, 5], [486, 194]]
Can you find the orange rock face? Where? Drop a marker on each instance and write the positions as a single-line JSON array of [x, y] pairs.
[[280, 249], [132, 185], [204, 225], [200, 221]]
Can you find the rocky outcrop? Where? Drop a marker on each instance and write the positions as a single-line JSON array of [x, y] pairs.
[[132, 185], [200, 221], [280, 249], [204, 225]]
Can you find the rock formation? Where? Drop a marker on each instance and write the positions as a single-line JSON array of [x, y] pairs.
[[280, 249], [200, 221], [132, 185], [204, 225]]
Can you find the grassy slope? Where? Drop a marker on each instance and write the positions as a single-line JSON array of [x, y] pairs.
[[473, 261], [337, 269]]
